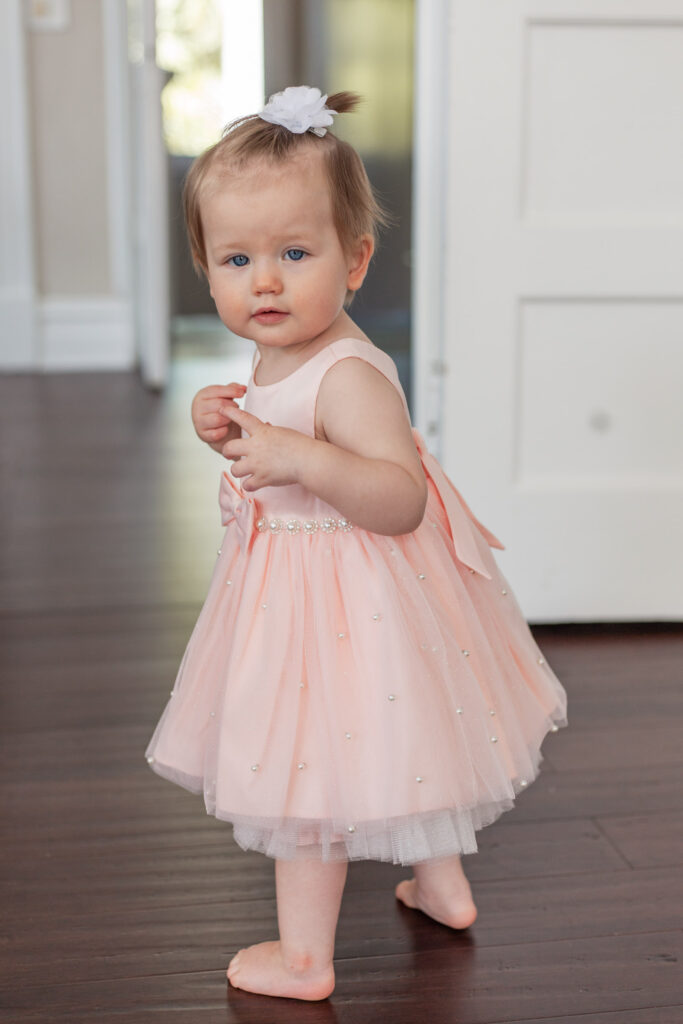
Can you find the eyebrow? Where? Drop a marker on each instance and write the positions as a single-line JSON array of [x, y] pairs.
[[292, 239]]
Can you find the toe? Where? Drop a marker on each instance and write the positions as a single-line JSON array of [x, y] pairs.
[[403, 892], [233, 966]]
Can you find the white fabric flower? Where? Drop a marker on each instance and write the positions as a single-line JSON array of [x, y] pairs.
[[299, 108]]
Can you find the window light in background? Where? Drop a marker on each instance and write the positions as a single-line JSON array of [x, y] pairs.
[[213, 51]]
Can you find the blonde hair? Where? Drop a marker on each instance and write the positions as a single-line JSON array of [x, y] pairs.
[[355, 208]]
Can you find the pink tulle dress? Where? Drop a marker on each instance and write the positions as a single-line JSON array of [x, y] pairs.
[[350, 695]]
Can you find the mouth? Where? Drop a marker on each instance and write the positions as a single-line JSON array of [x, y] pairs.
[[269, 315]]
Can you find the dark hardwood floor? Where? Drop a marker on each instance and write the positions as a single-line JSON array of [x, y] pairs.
[[122, 901]]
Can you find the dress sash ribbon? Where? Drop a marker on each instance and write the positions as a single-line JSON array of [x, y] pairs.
[[460, 517], [237, 506]]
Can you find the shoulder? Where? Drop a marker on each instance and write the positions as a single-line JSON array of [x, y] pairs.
[[356, 363], [356, 399], [353, 368], [352, 382]]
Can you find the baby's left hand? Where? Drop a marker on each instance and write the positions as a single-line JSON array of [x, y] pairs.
[[269, 457]]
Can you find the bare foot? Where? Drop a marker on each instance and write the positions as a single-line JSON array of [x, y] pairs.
[[262, 968], [450, 904]]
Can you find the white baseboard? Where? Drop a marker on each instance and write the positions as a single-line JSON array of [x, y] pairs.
[[86, 334], [17, 329]]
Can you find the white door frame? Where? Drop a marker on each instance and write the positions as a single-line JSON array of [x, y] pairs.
[[432, 23], [18, 339], [150, 242]]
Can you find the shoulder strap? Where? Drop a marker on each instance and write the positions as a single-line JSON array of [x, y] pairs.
[[348, 348]]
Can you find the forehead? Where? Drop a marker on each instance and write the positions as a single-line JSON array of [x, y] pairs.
[[298, 186]]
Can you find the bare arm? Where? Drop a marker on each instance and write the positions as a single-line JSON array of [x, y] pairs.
[[367, 467]]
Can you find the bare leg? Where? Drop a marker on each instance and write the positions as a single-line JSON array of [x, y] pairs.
[[441, 890], [299, 964]]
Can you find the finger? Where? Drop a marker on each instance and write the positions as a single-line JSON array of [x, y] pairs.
[[252, 483], [239, 468], [215, 419], [216, 433], [223, 409], [243, 419], [236, 448], [232, 390], [212, 408]]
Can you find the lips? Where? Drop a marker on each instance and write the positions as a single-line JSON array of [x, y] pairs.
[[269, 315]]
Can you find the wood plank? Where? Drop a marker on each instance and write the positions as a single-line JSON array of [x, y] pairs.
[[131, 939], [589, 975], [647, 840], [634, 743]]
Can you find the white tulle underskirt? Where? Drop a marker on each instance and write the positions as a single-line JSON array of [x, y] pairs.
[[405, 840]]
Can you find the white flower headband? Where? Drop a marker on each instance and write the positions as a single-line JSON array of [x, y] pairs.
[[299, 108]]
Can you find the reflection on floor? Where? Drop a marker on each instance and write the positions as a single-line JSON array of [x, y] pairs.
[[122, 901]]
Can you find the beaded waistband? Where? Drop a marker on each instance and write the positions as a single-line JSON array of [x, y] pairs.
[[293, 526]]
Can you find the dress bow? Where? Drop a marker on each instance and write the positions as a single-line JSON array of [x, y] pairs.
[[235, 505], [460, 516]]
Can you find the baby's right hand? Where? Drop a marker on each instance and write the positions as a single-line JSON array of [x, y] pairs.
[[210, 424]]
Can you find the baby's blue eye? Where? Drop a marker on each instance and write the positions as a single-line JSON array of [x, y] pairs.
[[295, 254], [238, 261]]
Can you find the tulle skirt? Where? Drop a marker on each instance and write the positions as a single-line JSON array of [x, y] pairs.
[[350, 695]]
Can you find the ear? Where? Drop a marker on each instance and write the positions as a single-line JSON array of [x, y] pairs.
[[359, 262]]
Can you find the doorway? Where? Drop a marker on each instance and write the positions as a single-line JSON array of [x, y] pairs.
[[220, 65]]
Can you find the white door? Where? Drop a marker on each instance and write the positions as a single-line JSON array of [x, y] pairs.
[[563, 297], [150, 197]]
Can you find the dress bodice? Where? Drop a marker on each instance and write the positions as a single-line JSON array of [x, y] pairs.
[[291, 402]]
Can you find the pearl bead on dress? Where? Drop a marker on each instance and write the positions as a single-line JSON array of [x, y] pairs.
[[307, 526]]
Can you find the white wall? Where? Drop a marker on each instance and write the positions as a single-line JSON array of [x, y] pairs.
[[74, 222]]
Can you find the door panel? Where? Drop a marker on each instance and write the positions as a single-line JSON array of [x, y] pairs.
[[563, 298]]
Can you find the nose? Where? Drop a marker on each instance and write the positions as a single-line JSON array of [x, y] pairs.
[[266, 278]]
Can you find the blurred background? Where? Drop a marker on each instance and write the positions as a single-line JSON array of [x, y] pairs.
[[531, 294], [224, 56], [529, 289]]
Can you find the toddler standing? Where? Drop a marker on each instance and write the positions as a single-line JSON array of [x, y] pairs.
[[361, 682]]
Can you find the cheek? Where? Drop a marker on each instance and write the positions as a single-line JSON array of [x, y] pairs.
[[227, 296]]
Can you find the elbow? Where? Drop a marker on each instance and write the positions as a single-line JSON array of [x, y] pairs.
[[421, 509], [417, 511]]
